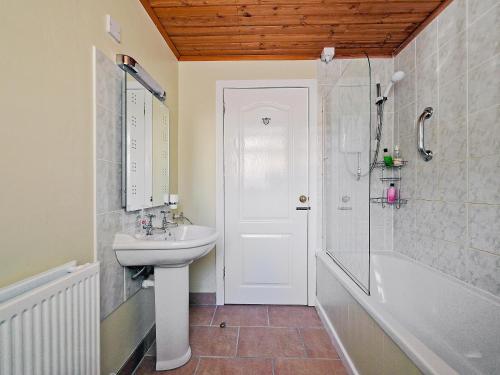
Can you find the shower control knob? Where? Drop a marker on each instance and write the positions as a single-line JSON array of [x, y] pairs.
[[303, 199]]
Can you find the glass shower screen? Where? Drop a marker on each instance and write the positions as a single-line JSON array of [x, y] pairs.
[[346, 115]]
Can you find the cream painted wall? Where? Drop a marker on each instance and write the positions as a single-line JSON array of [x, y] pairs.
[[197, 138], [46, 139]]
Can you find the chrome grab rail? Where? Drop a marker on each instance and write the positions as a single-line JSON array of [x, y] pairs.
[[426, 114]]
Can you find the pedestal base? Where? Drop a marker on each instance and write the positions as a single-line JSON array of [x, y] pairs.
[[172, 317], [173, 363]]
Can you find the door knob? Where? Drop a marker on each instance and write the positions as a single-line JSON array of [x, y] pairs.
[[303, 199]]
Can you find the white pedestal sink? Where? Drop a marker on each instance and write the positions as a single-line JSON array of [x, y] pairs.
[[170, 253]]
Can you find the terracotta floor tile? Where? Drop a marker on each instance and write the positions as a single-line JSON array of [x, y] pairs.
[[235, 366], [147, 367], [201, 315], [284, 366], [237, 315], [294, 316], [318, 344], [270, 342], [213, 341], [341, 370]]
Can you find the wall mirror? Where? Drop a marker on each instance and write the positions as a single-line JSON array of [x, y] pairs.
[[146, 144]]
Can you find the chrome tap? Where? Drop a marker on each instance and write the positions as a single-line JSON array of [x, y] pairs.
[[166, 223], [149, 225]]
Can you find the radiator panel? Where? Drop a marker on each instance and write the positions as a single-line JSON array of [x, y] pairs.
[[53, 328]]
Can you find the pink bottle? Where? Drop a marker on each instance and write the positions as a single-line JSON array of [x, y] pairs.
[[391, 194]]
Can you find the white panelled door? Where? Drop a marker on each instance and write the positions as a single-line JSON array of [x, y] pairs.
[[266, 173]]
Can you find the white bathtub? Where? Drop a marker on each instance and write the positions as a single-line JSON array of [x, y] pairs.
[[443, 325]]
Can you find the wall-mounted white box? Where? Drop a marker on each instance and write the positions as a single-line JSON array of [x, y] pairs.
[[113, 28]]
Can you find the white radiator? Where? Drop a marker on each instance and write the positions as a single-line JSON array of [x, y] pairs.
[[49, 324]]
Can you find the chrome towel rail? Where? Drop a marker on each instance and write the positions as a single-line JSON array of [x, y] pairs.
[[426, 114]]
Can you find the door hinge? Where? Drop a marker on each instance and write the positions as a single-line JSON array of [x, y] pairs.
[[224, 273], [223, 108]]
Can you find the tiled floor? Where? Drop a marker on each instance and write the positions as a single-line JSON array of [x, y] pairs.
[[257, 340]]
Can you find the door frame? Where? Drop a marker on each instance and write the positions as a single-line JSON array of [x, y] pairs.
[[314, 165]]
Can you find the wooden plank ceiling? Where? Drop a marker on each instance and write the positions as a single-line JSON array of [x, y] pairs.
[[288, 29]]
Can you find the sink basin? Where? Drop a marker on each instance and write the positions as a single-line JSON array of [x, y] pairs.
[[177, 246], [170, 253]]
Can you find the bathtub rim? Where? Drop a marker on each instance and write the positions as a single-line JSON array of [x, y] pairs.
[[425, 359], [490, 297]]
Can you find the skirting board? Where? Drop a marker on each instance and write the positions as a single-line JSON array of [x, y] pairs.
[[344, 356], [138, 354], [202, 298]]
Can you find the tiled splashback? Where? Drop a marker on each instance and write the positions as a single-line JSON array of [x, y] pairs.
[[452, 221], [116, 283]]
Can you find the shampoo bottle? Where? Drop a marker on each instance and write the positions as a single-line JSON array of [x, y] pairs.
[[388, 158], [391, 194]]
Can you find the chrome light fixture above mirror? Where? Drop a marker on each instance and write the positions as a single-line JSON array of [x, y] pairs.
[[131, 66]]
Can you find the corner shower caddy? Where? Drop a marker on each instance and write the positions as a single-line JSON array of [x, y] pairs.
[[395, 178]]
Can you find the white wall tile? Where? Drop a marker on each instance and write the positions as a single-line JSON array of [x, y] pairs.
[[453, 58], [484, 179], [452, 20], [108, 186], [451, 259], [427, 83], [478, 8], [484, 132], [451, 220], [484, 38], [452, 139], [484, 227], [111, 273], [427, 179], [426, 43], [406, 59], [483, 270], [406, 90], [453, 100], [484, 85], [452, 183]]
